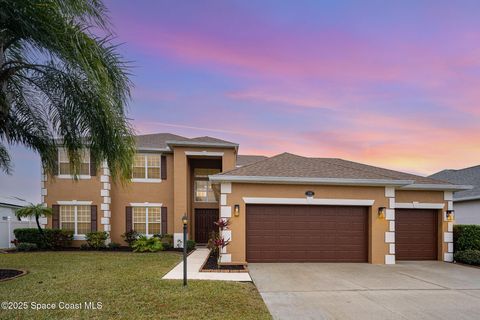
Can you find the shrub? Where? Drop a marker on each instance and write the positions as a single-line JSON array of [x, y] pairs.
[[84, 246], [468, 257], [26, 246], [144, 244], [113, 246], [466, 237], [167, 241], [130, 237], [55, 238], [191, 245], [96, 239]]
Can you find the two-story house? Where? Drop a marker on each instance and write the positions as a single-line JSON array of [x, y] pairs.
[[281, 209]]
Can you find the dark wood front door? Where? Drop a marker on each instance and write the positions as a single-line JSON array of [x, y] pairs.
[[300, 233], [416, 234], [204, 224]]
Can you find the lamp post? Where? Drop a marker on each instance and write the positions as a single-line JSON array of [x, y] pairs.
[[185, 221]]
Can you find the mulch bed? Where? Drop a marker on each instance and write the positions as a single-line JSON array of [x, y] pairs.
[[211, 265], [7, 274]]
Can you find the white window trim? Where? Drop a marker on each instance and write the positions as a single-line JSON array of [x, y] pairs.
[[148, 205], [71, 176], [75, 204], [309, 201], [150, 180], [145, 204], [419, 205]]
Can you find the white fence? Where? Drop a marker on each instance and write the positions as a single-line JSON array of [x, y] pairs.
[[6, 230]]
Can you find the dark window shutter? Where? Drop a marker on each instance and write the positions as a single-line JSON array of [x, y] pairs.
[[55, 166], [163, 164], [93, 212], [164, 220], [93, 165], [55, 216], [128, 221]]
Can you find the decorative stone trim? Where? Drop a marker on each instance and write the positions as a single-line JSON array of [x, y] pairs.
[[225, 211], [107, 200], [227, 235], [448, 237], [178, 240], [389, 259], [448, 257], [450, 227], [448, 196], [226, 187], [43, 193], [390, 217], [223, 199], [226, 258], [450, 247]]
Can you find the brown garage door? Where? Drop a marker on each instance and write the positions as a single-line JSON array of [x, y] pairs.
[[416, 234], [295, 233]]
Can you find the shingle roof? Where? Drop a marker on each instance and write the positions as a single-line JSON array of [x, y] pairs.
[[291, 165], [243, 160], [466, 176], [159, 140]]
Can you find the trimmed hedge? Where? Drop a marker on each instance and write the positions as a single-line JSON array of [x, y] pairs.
[[468, 256], [466, 237], [55, 238]]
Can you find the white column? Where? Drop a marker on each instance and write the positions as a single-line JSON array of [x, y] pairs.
[[390, 217]]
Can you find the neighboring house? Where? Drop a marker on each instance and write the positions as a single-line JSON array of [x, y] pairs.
[[284, 208], [467, 202], [9, 221]]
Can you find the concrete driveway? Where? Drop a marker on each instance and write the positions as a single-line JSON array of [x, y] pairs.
[[407, 290]]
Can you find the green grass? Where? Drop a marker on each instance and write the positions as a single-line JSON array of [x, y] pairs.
[[128, 285]]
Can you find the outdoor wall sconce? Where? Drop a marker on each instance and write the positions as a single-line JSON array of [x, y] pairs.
[[381, 213], [450, 215], [236, 210]]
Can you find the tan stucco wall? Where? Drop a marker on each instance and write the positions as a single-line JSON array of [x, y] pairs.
[[377, 227], [181, 184], [139, 192], [68, 190], [377, 246]]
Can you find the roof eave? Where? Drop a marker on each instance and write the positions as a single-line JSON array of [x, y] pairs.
[[306, 180], [165, 150], [177, 143], [440, 187], [471, 198]]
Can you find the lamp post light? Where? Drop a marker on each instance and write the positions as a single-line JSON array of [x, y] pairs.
[[185, 221]]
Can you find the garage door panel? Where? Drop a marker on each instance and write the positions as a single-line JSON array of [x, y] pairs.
[[416, 234], [284, 233]]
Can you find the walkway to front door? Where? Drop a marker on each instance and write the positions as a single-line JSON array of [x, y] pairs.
[[204, 224]]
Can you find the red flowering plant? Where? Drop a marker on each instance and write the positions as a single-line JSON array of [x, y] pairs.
[[216, 243]]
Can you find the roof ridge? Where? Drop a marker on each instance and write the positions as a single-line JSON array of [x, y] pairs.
[[254, 163], [358, 169]]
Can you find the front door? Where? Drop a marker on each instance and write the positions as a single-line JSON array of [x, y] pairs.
[[204, 224]]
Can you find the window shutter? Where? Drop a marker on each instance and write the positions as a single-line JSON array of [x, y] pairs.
[[93, 212], [55, 166], [93, 165], [164, 220], [55, 216], [128, 221], [163, 164]]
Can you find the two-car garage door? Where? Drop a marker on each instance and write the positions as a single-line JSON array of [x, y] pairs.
[[301, 233]]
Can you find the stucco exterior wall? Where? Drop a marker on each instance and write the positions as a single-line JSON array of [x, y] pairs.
[[467, 212], [381, 231], [377, 227]]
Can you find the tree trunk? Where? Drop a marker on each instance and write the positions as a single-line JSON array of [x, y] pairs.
[[40, 230]]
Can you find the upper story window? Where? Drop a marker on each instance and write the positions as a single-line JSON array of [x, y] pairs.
[[202, 186], [146, 166], [64, 168]]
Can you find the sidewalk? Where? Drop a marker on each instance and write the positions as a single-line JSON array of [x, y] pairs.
[[194, 263]]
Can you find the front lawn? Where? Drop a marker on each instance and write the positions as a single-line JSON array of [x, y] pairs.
[[128, 285]]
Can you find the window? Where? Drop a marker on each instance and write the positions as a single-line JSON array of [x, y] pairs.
[[147, 220], [76, 219], [203, 187], [64, 163], [146, 166]]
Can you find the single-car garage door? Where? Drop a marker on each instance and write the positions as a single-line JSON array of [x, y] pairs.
[[416, 234], [300, 233]]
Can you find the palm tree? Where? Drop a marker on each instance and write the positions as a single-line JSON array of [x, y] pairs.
[[37, 211], [61, 84]]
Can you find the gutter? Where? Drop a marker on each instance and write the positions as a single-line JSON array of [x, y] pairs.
[[441, 187], [179, 143], [466, 198], [306, 180]]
